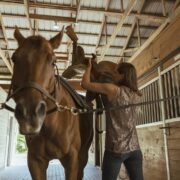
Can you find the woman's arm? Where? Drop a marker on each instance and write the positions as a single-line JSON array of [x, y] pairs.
[[105, 88]]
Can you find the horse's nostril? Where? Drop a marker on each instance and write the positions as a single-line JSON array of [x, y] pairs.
[[41, 109], [20, 111]]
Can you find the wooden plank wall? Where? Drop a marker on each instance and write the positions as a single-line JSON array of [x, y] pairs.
[[174, 150], [152, 145], [165, 43]]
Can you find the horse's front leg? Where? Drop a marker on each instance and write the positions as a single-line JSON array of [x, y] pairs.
[[37, 167], [70, 163]]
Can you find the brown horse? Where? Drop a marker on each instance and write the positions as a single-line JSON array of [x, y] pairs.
[[58, 135]]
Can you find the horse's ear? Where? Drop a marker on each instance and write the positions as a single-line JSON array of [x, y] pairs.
[[18, 36], [56, 40]]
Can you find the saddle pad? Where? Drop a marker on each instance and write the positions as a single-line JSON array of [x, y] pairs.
[[80, 102]]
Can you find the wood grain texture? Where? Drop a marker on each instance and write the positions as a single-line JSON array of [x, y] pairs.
[[166, 42]]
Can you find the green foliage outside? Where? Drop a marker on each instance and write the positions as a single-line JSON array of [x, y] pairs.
[[21, 144]]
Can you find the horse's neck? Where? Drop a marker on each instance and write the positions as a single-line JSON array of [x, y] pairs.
[[52, 121], [62, 95]]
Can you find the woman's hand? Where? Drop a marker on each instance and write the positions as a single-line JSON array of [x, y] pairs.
[[89, 65]]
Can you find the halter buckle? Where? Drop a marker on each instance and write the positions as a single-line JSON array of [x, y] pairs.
[[74, 111]]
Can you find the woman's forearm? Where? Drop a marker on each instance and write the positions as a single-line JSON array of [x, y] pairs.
[[86, 78]]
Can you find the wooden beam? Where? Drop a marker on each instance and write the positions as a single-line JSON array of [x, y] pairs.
[[26, 3], [5, 76], [3, 29], [163, 7], [113, 12], [100, 33], [176, 4], [36, 24], [102, 24], [81, 44], [138, 32], [132, 29], [122, 5], [57, 6], [118, 27], [5, 38], [158, 19], [79, 2], [43, 17], [152, 37], [128, 38], [51, 18], [78, 33], [6, 61], [131, 49], [65, 53]]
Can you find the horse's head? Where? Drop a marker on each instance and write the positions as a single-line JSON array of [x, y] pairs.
[[33, 70]]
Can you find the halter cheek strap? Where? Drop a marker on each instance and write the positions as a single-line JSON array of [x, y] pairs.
[[32, 85]]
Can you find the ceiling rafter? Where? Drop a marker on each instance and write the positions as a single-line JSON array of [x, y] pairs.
[[152, 37], [78, 33], [65, 53], [5, 38], [36, 24], [68, 44], [138, 32], [110, 12], [158, 19], [172, 16], [176, 4], [102, 24], [122, 5], [132, 29], [163, 7], [67, 20], [6, 61], [117, 28], [78, 2], [26, 4]]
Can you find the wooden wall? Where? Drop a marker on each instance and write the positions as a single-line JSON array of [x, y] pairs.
[[152, 145], [167, 41], [174, 149]]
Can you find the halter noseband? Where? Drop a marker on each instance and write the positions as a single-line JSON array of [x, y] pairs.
[[37, 87]]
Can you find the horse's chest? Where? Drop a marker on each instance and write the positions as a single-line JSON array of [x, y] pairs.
[[56, 150]]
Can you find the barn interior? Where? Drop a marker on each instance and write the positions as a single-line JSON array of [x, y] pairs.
[[145, 33]]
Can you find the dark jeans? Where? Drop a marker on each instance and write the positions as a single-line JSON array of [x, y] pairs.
[[131, 160]]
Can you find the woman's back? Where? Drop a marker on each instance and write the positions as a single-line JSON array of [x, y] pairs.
[[121, 135]]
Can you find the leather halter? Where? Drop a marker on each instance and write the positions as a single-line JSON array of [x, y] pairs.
[[35, 86]]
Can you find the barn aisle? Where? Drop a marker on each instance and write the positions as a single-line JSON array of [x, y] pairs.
[[55, 172]]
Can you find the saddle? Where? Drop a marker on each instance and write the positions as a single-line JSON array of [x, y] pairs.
[[79, 100]]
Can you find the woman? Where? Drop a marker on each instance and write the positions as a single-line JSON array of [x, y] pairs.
[[121, 144]]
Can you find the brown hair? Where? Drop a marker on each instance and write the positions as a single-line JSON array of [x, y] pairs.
[[130, 76]]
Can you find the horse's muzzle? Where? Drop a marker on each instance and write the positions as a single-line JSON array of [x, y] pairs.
[[30, 117]]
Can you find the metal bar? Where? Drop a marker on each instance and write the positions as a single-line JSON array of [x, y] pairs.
[[158, 111], [158, 123], [164, 80], [153, 105], [149, 105], [177, 79], [170, 93], [174, 92], [164, 124], [146, 106]]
